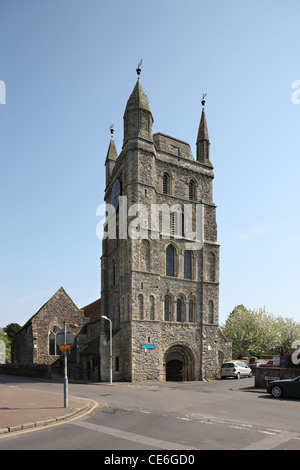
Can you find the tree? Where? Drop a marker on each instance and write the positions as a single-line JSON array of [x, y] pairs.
[[258, 333], [12, 329]]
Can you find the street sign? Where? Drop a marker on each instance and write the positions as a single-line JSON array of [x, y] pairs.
[[64, 347], [60, 338], [148, 346]]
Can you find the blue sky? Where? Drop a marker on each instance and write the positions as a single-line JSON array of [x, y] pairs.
[[69, 68]]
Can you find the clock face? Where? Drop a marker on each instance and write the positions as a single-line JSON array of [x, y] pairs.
[[115, 193]]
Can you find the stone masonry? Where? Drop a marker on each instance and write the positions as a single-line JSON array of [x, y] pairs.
[[35, 342], [161, 294]]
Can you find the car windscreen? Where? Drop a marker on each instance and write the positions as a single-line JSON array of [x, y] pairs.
[[227, 364]]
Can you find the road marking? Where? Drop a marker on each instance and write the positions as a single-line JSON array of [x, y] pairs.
[[138, 438], [270, 442]]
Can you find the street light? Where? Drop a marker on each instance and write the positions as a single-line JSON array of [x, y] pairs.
[[110, 345]]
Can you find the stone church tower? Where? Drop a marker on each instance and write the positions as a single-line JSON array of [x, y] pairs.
[[159, 289]]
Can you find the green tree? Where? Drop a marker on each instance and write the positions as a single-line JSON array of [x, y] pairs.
[[12, 329], [258, 333]]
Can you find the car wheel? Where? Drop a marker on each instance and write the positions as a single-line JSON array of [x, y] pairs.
[[238, 376], [277, 391], [250, 375]]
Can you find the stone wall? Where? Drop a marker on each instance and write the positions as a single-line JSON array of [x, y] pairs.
[[134, 279], [267, 374], [37, 371], [31, 344]]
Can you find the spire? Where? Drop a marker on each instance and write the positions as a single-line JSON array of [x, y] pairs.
[[202, 138], [138, 98], [112, 153], [138, 119], [111, 157]]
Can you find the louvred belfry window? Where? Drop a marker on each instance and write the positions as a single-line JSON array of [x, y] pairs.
[[191, 191], [165, 184]]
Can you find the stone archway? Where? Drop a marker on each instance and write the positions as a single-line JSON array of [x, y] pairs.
[[179, 363]]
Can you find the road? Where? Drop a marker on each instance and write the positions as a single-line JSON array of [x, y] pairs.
[[185, 417]]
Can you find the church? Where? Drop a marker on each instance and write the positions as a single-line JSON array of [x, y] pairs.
[[158, 315], [160, 255]]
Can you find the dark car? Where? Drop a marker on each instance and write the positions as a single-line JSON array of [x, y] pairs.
[[286, 387]]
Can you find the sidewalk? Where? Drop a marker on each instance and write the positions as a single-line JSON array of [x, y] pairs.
[[21, 408]]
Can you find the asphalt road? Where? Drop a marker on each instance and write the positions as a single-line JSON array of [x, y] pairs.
[[167, 417]]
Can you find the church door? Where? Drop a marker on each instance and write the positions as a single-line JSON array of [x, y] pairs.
[[174, 370]]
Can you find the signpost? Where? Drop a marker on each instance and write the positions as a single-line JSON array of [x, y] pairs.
[[64, 339], [147, 346]]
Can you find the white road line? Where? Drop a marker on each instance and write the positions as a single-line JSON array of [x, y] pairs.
[[269, 443], [138, 438]]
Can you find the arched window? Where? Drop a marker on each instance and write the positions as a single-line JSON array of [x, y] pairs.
[[166, 183], [141, 306], [170, 261], [191, 190], [187, 265], [212, 267], [191, 311], [177, 219], [174, 223], [179, 310], [152, 308], [53, 347], [167, 307]]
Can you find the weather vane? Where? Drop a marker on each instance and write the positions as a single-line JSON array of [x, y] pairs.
[[203, 99], [111, 128], [138, 70]]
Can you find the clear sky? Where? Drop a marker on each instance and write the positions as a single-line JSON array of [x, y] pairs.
[[69, 67]]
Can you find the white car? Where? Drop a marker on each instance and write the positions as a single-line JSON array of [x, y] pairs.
[[236, 370]]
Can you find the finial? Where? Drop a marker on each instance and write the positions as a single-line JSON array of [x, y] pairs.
[[138, 70], [111, 128], [203, 99]]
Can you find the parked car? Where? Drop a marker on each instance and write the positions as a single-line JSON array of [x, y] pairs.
[[268, 364], [235, 369], [286, 387], [254, 365]]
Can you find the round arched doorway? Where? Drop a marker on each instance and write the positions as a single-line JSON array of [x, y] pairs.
[[179, 363]]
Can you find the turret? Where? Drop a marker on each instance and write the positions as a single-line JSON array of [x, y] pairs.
[[203, 139], [111, 157], [138, 119]]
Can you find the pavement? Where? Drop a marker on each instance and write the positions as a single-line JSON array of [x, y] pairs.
[[22, 408]]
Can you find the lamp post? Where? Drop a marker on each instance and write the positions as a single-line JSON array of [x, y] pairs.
[[110, 345], [66, 392]]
